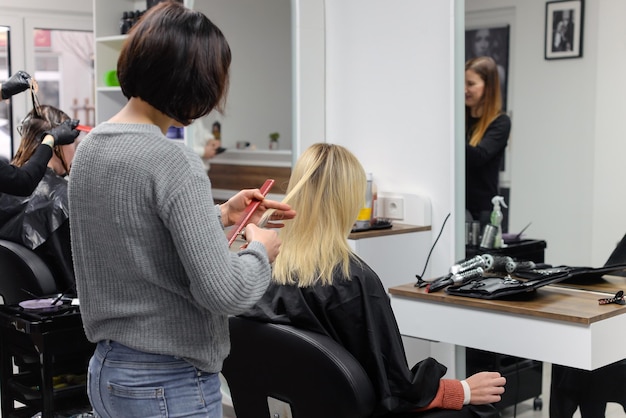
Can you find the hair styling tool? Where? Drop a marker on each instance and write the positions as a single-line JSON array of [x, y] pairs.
[[496, 263], [457, 278], [83, 128], [512, 266], [420, 281], [248, 212], [476, 261]]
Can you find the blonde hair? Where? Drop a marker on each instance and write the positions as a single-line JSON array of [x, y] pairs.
[[327, 190], [491, 102]]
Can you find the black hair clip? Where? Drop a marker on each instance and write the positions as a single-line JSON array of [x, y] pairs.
[[618, 298]]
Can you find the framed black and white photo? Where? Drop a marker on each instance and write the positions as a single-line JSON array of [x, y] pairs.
[[564, 29]]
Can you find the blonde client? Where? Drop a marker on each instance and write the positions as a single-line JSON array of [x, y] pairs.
[[319, 284]]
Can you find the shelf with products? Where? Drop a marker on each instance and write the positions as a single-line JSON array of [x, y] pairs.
[[109, 99], [107, 15], [108, 44], [107, 52]]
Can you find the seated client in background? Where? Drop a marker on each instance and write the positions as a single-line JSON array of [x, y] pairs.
[[41, 221], [319, 284]]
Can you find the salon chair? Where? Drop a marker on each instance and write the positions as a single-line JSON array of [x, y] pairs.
[[590, 391], [279, 371], [23, 274]]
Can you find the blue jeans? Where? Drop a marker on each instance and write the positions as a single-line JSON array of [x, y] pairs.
[[126, 383]]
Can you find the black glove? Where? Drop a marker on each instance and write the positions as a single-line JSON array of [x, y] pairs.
[[63, 134], [16, 84]]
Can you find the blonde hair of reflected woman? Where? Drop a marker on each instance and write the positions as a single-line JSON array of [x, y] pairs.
[[327, 190]]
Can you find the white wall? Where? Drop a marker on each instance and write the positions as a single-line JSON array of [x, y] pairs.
[[608, 217], [566, 132], [390, 99]]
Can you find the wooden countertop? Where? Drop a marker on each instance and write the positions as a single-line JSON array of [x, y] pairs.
[[609, 284], [395, 229], [559, 303]]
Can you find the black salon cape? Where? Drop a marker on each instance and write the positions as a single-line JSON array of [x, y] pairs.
[[357, 314], [40, 222]]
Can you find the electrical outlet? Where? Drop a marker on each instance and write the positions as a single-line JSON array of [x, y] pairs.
[[393, 208]]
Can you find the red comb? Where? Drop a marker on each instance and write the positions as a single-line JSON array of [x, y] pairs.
[[248, 212]]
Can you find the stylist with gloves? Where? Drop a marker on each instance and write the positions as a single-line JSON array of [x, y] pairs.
[[22, 181], [19, 82]]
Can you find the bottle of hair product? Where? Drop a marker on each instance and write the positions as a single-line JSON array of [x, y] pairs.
[[124, 24], [363, 221], [496, 220], [374, 203]]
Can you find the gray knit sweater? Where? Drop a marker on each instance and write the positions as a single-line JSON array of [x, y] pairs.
[[153, 268]]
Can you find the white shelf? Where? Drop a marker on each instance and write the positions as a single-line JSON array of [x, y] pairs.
[[109, 89], [114, 39], [108, 43]]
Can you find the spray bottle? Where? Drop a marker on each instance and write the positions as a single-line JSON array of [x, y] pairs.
[[496, 220]]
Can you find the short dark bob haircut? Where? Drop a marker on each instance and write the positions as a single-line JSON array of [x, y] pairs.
[[176, 60]]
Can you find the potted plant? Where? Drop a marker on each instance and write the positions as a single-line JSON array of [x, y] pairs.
[[274, 140]]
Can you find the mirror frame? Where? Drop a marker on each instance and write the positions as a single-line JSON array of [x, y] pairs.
[[309, 74]]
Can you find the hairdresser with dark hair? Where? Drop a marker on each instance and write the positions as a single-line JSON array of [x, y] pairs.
[[487, 130], [22, 181], [155, 277]]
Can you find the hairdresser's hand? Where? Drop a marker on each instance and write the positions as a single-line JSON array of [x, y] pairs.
[[19, 82], [486, 387], [234, 208], [63, 134], [268, 238]]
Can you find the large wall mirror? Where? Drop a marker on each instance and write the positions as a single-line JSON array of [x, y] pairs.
[[260, 94], [277, 73], [565, 148]]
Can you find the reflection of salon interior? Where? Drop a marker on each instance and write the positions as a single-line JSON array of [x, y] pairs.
[[563, 157], [361, 73]]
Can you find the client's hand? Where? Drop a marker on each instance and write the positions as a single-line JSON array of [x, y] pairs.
[[486, 387]]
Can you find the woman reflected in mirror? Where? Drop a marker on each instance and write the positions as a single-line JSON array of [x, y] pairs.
[[487, 130]]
